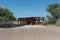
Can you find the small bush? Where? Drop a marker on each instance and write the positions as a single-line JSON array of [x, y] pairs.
[[58, 22]]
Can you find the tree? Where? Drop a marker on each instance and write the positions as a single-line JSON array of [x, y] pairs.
[[6, 15], [53, 9], [58, 22]]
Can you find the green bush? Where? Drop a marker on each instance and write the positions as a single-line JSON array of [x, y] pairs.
[[58, 22], [51, 20]]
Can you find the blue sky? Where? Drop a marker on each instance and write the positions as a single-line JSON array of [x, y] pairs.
[[28, 8]]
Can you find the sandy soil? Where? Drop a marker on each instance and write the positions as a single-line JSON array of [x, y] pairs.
[[43, 33]]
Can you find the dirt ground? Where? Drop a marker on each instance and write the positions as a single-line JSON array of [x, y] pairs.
[[48, 33], [52, 25]]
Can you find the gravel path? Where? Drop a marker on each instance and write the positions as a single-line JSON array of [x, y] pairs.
[[34, 33]]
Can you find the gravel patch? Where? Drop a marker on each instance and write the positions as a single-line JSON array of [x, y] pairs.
[[32, 26]]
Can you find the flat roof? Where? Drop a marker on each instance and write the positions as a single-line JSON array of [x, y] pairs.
[[30, 17]]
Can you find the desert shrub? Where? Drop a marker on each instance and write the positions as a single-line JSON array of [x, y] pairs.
[[51, 20], [58, 22]]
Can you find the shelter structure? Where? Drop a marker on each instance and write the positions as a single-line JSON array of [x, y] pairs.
[[30, 20]]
